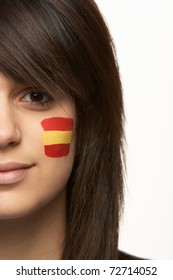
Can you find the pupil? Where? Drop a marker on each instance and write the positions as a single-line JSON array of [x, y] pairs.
[[35, 97]]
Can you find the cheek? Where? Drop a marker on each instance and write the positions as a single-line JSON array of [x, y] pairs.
[[57, 136]]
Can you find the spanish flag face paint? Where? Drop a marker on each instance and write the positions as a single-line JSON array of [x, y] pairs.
[[57, 136]]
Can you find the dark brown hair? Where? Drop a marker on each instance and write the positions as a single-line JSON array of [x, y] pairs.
[[66, 45]]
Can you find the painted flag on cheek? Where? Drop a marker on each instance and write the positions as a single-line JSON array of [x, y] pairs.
[[57, 136]]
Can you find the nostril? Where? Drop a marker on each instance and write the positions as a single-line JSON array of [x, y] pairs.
[[10, 137], [13, 143]]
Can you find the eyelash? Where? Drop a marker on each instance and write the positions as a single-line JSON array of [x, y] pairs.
[[44, 103]]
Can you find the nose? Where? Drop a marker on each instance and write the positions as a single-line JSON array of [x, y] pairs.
[[10, 134]]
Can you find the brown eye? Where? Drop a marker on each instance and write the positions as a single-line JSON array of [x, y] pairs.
[[38, 98]]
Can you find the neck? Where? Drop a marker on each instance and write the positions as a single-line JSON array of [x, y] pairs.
[[37, 236]]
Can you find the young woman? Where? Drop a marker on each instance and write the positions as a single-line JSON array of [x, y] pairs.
[[61, 132]]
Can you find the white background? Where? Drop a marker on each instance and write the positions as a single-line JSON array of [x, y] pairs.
[[143, 35]]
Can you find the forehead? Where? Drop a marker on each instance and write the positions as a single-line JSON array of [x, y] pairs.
[[7, 82]]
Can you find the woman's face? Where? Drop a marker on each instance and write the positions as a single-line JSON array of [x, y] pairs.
[[37, 143]]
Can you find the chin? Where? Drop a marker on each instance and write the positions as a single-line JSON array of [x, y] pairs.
[[12, 211], [11, 214]]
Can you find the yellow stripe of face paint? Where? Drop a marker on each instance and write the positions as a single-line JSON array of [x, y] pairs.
[[52, 137]]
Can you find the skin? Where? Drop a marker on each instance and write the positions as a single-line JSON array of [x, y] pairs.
[[33, 210]]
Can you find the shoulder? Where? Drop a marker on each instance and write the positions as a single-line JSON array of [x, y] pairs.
[[125, 256]]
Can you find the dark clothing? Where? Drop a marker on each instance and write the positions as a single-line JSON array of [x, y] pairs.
[[125, 256]]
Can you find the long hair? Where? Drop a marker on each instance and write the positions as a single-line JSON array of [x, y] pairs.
[[66, 45]]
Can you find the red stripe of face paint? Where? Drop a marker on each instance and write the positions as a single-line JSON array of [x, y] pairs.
[[57, 124], [59, 150]]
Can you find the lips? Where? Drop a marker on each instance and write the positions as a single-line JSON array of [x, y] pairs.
[[13, 172]]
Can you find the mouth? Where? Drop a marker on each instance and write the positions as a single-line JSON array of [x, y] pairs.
[[13, 172]]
